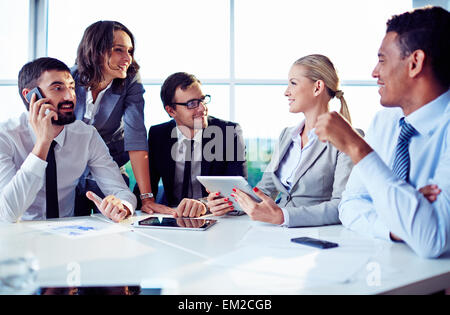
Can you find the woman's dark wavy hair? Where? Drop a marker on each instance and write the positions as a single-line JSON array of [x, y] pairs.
[[427, 29], [97, 40]]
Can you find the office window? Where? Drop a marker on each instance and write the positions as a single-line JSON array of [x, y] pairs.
[[171, 35], [14, 37], [348, 32], [13, 55], [194, 36], [242, 51], [263, 111], [267, 43], [11, 103]]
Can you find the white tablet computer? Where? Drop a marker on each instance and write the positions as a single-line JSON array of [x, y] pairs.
[[225, 185], [193, 224]]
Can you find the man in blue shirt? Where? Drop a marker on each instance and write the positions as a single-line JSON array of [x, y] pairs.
[[399, 188]]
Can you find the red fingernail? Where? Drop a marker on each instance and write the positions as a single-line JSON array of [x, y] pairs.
[[255, 189], [234, 189], [232, 208], [226, 199], [230, 203], [217, 194], [232, 195]]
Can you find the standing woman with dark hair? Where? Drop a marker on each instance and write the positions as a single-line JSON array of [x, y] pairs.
[[110, 97]]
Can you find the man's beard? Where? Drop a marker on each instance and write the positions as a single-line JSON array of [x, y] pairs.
[[64, 118]]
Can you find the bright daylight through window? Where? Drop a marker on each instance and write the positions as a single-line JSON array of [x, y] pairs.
[[241, 57]]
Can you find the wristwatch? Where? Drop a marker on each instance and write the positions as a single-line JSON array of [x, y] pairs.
[[146, 196]]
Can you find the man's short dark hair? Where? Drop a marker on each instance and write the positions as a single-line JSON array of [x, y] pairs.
[[31, 72], [180, 79], [427, 29]]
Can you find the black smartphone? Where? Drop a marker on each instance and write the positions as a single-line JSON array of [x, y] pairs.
[[36, 91], [314, 242]]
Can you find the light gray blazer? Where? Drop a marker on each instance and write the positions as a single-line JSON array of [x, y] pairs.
[[316, 192]]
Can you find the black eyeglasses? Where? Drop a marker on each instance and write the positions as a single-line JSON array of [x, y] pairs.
[[196, 102]]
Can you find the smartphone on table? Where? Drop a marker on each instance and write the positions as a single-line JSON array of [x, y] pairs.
[[314, 242]]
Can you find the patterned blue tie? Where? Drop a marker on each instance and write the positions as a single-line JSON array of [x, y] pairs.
[[401, 161]]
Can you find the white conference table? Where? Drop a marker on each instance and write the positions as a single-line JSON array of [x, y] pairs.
[[235, 256]]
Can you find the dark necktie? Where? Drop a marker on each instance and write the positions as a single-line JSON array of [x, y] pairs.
[[402, 161], [187, 183], [51, 185]]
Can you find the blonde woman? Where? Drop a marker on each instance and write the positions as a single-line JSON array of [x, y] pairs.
[[307, 175]]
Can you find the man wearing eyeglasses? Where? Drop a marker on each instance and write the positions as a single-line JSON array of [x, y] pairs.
[[190, 144]]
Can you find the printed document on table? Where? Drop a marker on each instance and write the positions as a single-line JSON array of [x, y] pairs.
[[79, 228]]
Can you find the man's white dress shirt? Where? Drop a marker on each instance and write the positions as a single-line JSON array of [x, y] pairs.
[[22, 174]]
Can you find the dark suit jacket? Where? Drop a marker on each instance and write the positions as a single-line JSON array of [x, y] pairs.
[[162, 165]]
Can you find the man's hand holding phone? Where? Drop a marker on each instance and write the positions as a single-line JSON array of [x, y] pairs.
[[41, 124]]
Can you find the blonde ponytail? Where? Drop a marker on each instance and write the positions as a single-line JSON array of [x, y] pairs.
[[344, 108]]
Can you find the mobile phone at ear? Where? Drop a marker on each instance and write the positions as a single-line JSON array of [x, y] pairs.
[[36, 91], [314, 242]]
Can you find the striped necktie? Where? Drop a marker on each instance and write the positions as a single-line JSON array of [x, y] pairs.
[[402, 161]]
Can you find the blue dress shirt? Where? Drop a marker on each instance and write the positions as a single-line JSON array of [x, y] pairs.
[[377, 202]]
